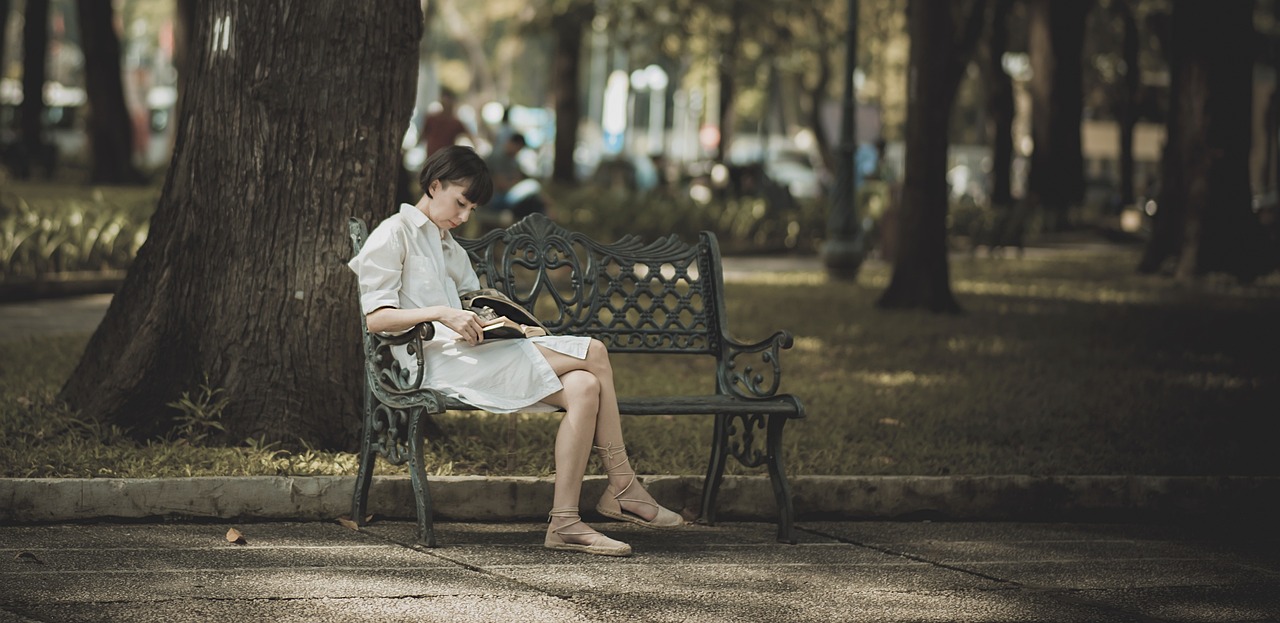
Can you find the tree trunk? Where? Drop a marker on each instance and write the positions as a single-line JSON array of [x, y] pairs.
[[1000, 106], [921, 277], [569, 28], [728, 81], [293, 119], [110, 128], [184, 12], [1205, 219], [4, 30], [1128, 100], [1056, 47], [35, 53]]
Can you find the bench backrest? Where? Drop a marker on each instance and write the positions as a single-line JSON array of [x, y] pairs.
[[660, 296]]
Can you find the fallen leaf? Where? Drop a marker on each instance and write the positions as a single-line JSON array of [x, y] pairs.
[[234, 536], [28, 557], [347, 523]]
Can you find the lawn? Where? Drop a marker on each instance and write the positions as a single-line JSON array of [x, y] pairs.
[[1066, 362]]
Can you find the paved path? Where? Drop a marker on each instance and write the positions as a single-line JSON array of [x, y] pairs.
[[845, 571]]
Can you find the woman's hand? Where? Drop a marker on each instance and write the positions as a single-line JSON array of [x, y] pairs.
[[464, 322]]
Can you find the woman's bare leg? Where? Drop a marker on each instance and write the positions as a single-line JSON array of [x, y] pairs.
[[608, 422], [580, 399]]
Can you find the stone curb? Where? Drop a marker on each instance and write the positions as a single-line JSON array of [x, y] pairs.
[[478, 498]]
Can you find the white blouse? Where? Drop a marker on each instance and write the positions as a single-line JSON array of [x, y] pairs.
[[406, 264]]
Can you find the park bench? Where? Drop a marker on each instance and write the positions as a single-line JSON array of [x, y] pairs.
[[660, 297]]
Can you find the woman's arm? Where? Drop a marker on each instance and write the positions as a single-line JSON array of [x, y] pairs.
[[393, 320]]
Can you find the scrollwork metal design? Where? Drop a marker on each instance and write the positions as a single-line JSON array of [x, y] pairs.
[[631, 295], [740, 432], [759, 377]]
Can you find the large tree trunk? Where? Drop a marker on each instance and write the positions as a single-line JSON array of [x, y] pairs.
[[1205, 219], [569, 28], [1056, 48], [35, 53], [110, 129], [942, 41], [293, 116], [1129, 99], [1000, 105]]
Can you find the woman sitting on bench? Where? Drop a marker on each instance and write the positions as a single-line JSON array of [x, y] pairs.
[[412, 271]]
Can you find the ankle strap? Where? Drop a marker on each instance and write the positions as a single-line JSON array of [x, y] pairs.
[[607, 454], [564, 511]]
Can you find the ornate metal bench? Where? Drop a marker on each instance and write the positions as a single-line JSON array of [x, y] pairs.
[[660, 297]]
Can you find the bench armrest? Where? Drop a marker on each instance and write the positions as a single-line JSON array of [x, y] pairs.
[[393, 384], [752, 370]]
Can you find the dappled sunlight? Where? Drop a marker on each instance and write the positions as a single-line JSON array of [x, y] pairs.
[[898, 379], [1066, 291], [1215, 381], [996, 345], [779, 279], [805, 344]]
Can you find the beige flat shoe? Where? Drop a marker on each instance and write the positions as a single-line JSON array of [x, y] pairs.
[[600, 544], [610, 504]]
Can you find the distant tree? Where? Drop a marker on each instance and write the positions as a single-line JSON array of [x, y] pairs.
[[1127, 104], [109, 127], [571, 23], [1000, 107], [1205, 222], [727, 72], [1055, 46], [943, 37], [4, 30], [292, 120], [35, 53]]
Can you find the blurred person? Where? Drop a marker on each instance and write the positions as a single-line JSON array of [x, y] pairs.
[[515, 194], [411, 271], [443, 128]]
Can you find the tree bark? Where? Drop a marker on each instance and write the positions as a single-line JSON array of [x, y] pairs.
[[943, 37], [1000, 105], [35, 53], [1205, 219], [110, 128], [569, 27], [293, 119], [1056, 47]]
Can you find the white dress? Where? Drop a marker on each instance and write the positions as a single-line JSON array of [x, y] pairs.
[[406, 264]]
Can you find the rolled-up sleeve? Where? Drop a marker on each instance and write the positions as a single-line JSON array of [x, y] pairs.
[[380, 268]]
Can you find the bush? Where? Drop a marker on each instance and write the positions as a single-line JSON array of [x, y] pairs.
[[43, 232]]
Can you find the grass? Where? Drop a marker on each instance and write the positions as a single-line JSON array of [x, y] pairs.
[[1065, 363]]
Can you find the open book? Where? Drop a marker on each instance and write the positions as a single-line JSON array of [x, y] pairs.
[[502, 317], [503, 328]]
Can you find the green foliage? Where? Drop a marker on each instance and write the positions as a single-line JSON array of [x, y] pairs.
[[742, 225], [198, 417], [43, 233]]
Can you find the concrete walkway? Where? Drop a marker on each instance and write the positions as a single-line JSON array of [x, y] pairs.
[[840, 571]]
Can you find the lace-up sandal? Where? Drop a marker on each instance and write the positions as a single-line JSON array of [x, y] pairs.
[[610, 504], [599, 544]]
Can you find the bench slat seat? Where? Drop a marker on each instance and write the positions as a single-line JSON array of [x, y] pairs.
[[659, 297]]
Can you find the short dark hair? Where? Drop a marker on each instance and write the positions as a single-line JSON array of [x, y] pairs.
[[458, 164]]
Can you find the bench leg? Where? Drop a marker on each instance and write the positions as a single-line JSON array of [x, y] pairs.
[[418, 477], [778, 478], [364, 477], [715, 470]]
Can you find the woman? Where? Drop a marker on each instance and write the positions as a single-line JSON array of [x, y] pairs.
[[411, 271]]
